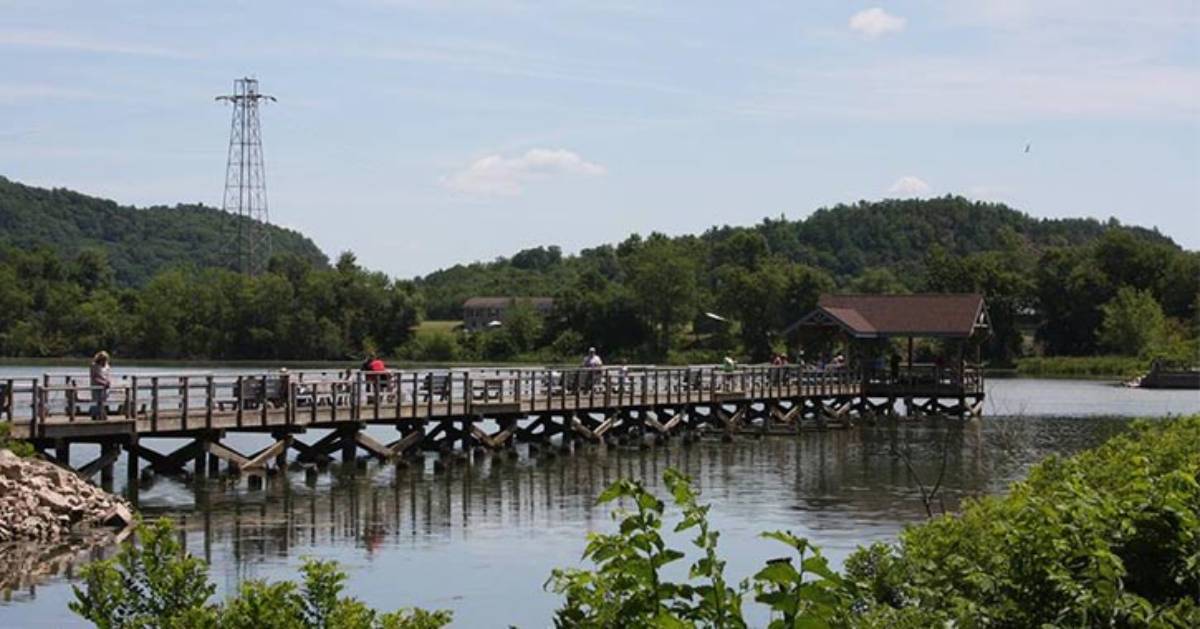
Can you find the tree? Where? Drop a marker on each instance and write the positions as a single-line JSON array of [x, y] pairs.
[[1001, 277], [766, 300], [878, 281], [1133, 322], [523, 326], [663, 276]]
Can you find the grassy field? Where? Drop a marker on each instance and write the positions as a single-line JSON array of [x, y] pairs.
[[430, 327], [1083, 366]]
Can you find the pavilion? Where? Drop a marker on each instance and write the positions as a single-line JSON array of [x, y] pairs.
[[960, 319]]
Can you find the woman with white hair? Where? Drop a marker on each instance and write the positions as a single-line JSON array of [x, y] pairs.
[[100, 377]]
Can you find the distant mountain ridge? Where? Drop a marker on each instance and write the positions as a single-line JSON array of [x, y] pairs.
[[139, 242]]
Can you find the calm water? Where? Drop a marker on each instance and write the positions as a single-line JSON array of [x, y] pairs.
[[482, 539]]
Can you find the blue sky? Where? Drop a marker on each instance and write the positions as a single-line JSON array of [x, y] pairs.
[[420, 133]]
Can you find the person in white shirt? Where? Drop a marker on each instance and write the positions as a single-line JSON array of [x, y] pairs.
[[592, 359]]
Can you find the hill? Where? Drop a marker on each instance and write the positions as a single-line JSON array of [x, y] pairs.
[[139, 242], [846, 241]]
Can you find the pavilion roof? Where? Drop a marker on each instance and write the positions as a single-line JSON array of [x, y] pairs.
[[947, 315]]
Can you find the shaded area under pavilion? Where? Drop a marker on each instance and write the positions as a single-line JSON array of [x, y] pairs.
[[868, 325]]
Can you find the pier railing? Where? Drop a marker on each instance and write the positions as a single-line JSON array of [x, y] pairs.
[[921, 378], [192, 401]]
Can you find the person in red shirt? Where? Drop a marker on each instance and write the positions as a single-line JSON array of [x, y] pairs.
[[376, 364]]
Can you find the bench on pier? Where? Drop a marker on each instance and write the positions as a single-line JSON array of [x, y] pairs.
[[692, 381], [435, 386], [379, 384], [252, 393]]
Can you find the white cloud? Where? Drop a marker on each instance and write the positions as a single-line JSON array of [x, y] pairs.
[[40, 39], [496, 175], [17, 94], [872, 23], [909, 186]]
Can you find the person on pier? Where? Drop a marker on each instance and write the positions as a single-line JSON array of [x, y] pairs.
[[592, 360], [100, 378], [377, 379], [375, 364]]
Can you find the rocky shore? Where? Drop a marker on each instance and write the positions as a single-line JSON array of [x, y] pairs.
[[40, 501]]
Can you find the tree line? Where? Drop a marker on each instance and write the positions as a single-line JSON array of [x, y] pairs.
[[51, 307], [1053, 287], [1122, 292]]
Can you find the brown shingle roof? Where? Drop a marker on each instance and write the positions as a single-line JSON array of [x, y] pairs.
[[504, 302], [943, 315]]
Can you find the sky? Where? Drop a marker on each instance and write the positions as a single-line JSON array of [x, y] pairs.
[[424, 133]]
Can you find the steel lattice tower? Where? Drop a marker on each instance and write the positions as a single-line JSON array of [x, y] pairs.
[[245, 179]]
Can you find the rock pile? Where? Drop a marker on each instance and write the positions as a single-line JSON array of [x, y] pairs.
[[41, 501]]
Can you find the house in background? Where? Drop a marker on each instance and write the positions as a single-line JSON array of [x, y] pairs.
[[478, 312]]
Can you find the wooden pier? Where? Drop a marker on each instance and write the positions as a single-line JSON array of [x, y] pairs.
[[450, 410]]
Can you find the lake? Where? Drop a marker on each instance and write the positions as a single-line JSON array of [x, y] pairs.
[[482, 539]]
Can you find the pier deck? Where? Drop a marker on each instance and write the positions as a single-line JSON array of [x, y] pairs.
[[446, 410]]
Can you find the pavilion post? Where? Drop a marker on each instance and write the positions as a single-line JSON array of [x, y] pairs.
[[910, 355]]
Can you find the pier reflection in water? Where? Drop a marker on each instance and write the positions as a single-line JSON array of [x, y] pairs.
[[482, 538], [478, 538]]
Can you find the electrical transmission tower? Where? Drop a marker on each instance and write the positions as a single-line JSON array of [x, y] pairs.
[[245, 180]]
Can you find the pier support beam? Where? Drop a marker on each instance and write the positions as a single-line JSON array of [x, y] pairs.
[[131, 468], [109, 451], [200, 463], [349, 444]]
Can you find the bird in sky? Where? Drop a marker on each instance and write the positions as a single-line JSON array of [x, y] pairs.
[[1027, 145]]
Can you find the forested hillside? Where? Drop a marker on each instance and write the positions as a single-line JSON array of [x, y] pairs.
[[1067, 286], [79, 274], [138, 242], [845, 241]]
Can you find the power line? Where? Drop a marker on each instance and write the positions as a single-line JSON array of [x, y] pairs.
[[245, 180]]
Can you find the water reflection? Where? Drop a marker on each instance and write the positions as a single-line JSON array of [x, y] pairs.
[[477, 538]]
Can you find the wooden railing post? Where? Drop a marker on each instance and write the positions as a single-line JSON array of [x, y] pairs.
[[153, 404], [316, 395], [264, 399], [416, 392], [239, 400], [35, 405], [429, 409], [131, 399], [293, 389], [185, 402], [9, 396], [210, 392], [71, 402], [378, 394], [356, 397], [468, 393]]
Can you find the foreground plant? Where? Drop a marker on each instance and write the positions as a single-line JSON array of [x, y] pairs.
[[1109, 537], [158, 585], [628, 587]]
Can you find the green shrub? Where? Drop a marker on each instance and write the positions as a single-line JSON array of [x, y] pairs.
[[1108, 537], [1111, 536], [158, 585], [18, 447]]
